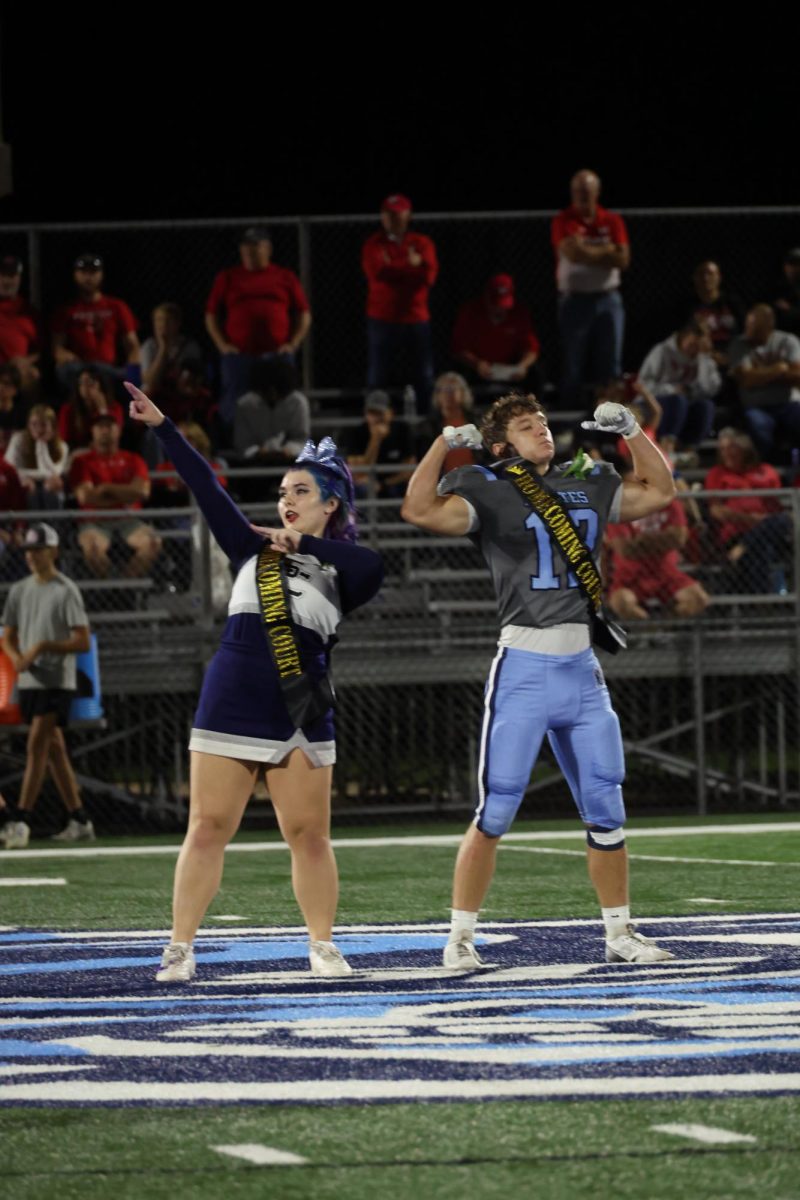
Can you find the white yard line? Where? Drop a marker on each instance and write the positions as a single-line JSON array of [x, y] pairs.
[[32, 881], [709, 1134], [315, 1090], [667, 858], [434, 840], [262, 1156]]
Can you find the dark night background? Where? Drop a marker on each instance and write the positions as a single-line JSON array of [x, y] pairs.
[[134, 115]]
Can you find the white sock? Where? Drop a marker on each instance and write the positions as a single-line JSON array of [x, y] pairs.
[[616, 920], [462, 925]]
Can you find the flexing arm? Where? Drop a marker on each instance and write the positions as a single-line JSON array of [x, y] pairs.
[[653, 486], [229, 526], [424, 507]]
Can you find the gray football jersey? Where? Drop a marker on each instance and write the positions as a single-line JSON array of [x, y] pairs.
[[531, 580]]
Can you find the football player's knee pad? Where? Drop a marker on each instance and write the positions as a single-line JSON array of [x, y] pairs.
[[606, 839], [503, 798]]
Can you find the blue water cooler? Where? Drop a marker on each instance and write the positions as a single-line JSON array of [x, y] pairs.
[[88, 707]]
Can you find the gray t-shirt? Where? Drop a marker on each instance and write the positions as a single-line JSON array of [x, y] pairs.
[[46, 612], [529, 576], [779, 347]]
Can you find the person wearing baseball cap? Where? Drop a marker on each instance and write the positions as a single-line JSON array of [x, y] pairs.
[[787, 303], [381, 440], [94, 330], [401, 268], [254, 310], [19, 324], [105, 477], [45, 627], [494, 337]]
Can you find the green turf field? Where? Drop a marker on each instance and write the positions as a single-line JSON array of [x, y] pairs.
[[546, 878], [543, 1148]]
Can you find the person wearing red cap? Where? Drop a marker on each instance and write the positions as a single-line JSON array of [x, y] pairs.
[[494, 335], [401, 268], [592, 249], [19, 324], [254, 310]]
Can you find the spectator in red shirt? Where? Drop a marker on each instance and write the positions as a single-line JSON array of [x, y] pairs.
[[645, 556], [753, 530], [107, 477], [401, 268], [19, 324], [592, 249], [265, 313], [494, 336], [91, 397], [95, 330]]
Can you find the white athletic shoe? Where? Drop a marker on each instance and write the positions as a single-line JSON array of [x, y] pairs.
[[16, 835], [634, 947], [74, 831], [177, 964], [462, 955], [327, 960]]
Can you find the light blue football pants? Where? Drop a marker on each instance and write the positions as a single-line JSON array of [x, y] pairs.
[[564, 696]]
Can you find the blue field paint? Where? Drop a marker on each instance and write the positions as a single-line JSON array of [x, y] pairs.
[[254, 1026]]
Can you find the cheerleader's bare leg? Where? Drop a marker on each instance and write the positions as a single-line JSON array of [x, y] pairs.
[[301, 797], [219, 791]]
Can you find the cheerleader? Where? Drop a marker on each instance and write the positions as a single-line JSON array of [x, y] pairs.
[[266, 702]]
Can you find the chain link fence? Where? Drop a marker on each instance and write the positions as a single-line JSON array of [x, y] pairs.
[[709, 702], [157, 261]]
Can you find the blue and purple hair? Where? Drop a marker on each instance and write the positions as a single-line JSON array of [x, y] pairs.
[[334, 480]]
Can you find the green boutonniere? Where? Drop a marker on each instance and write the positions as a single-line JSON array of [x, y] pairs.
[[581, 465]]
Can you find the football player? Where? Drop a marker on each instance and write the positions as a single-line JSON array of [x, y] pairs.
[[545, 678]]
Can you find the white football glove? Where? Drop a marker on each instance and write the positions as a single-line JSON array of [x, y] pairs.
[[610, 417], [462, 436]]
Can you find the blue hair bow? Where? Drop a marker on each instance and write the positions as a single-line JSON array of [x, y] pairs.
[[324, 455]]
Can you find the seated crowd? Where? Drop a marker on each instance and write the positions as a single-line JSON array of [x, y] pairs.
[[65, 440]]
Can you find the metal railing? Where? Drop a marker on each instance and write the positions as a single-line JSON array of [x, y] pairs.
[[709, 705]]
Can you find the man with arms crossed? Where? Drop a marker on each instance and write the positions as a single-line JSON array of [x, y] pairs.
[[45, 628], [545, 677]]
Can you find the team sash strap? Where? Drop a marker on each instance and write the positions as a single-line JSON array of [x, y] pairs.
[[606, 633], [306, 699]]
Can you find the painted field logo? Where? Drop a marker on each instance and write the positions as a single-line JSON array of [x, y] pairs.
[[84, 1023]]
